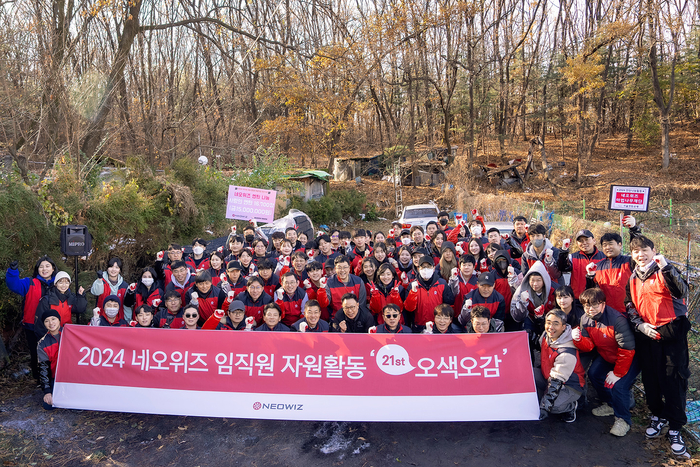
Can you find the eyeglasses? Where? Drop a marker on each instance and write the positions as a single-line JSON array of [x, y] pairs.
[[188, 315], [172, 300], [392, 316], [355, 307], [236, 312], [590, 305]]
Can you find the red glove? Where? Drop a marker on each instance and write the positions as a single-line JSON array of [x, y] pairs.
[[539, 311], [133, 323], [156, 302]]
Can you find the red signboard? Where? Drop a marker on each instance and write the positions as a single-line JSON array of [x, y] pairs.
[[297, 376]]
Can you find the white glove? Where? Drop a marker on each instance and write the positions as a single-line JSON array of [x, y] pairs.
[[467, 304], [505, 236], [279, 294], [428, 328], [303, 327], [372, 330], [233, 229], [539, 311], [159, 256], [483, 264], [156, 302], [511, 271], [323, 282], [223, 277], [611, 379], [525, 296], [367, 253], [649, 330], [96, 312], [566, 243], [194, 300], [661, 261], [307, 283], [629, 221], [454, 273], [404, 278], [311, 253], [225, 286], [220, 249], [285, 262], [132, 287], [414, 286], [475, 213], [459, 250], [249, 323], [591, 268], [576, 334], [230, 294], [549, 255], [254, 223]]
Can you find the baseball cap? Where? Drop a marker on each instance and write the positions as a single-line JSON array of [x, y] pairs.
[[584, 233], [236, 305], [486, 278], [426, 259]]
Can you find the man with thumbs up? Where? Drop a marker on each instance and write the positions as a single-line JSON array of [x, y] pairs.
[[655, 302]]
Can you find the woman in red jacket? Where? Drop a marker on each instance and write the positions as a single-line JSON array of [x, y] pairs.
[[384, 290]]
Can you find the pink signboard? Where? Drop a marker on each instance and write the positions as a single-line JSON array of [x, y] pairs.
[[629, 198], [250, 203]]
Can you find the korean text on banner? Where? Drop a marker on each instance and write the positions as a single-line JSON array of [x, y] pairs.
[[250, 203], [297, 376]]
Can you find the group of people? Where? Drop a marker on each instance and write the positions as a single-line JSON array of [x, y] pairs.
[[615, 317]]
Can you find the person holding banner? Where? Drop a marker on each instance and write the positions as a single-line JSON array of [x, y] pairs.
[[311, 322], [272, 315], [655, 301], [560, 378], [47, 353]]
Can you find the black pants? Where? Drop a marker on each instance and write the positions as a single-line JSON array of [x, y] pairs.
[[665, 372], [32, 343]]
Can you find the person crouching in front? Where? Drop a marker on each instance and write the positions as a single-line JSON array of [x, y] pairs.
[[392, 321], [481, 322]]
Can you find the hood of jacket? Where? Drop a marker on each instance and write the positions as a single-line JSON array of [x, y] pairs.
[[539, 268]]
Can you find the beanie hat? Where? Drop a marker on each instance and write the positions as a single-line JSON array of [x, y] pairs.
[[112, 298], [49, 313], [61, 275]]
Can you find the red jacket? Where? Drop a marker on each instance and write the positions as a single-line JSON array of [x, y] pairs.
[[612, 276], [429, 295], [254, 308], [337, 289], [577, 266], [658, 297], [180, 290], [379, 299], [611, 335], [47, 356], [208, 303], [292, 307]]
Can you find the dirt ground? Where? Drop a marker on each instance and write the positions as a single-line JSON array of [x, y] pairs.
[[29, 435]]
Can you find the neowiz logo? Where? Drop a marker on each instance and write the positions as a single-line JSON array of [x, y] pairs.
[[258, 406]]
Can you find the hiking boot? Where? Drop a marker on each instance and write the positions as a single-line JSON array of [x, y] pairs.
[[570, 416], [603, 411], [656, 425], [620, 428], [677, 444]]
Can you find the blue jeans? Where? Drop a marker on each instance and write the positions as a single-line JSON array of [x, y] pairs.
[[619, 396]]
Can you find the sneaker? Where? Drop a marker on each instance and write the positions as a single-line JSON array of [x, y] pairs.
[[620, 428], [656, 425], [570, 416], [677, 443], [603, 411]]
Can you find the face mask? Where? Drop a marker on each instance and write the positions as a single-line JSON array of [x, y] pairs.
[[443, 222], [111, 312], [198, 250], [249, 238], [476, 231], [502, 265], [405, 240], [147, 281], [538, 243], [427, 273]]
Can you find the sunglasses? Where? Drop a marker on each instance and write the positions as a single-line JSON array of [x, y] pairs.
[[188, 315], [392, 316]]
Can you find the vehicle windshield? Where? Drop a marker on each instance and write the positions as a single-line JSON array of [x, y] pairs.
[[420, 212]]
